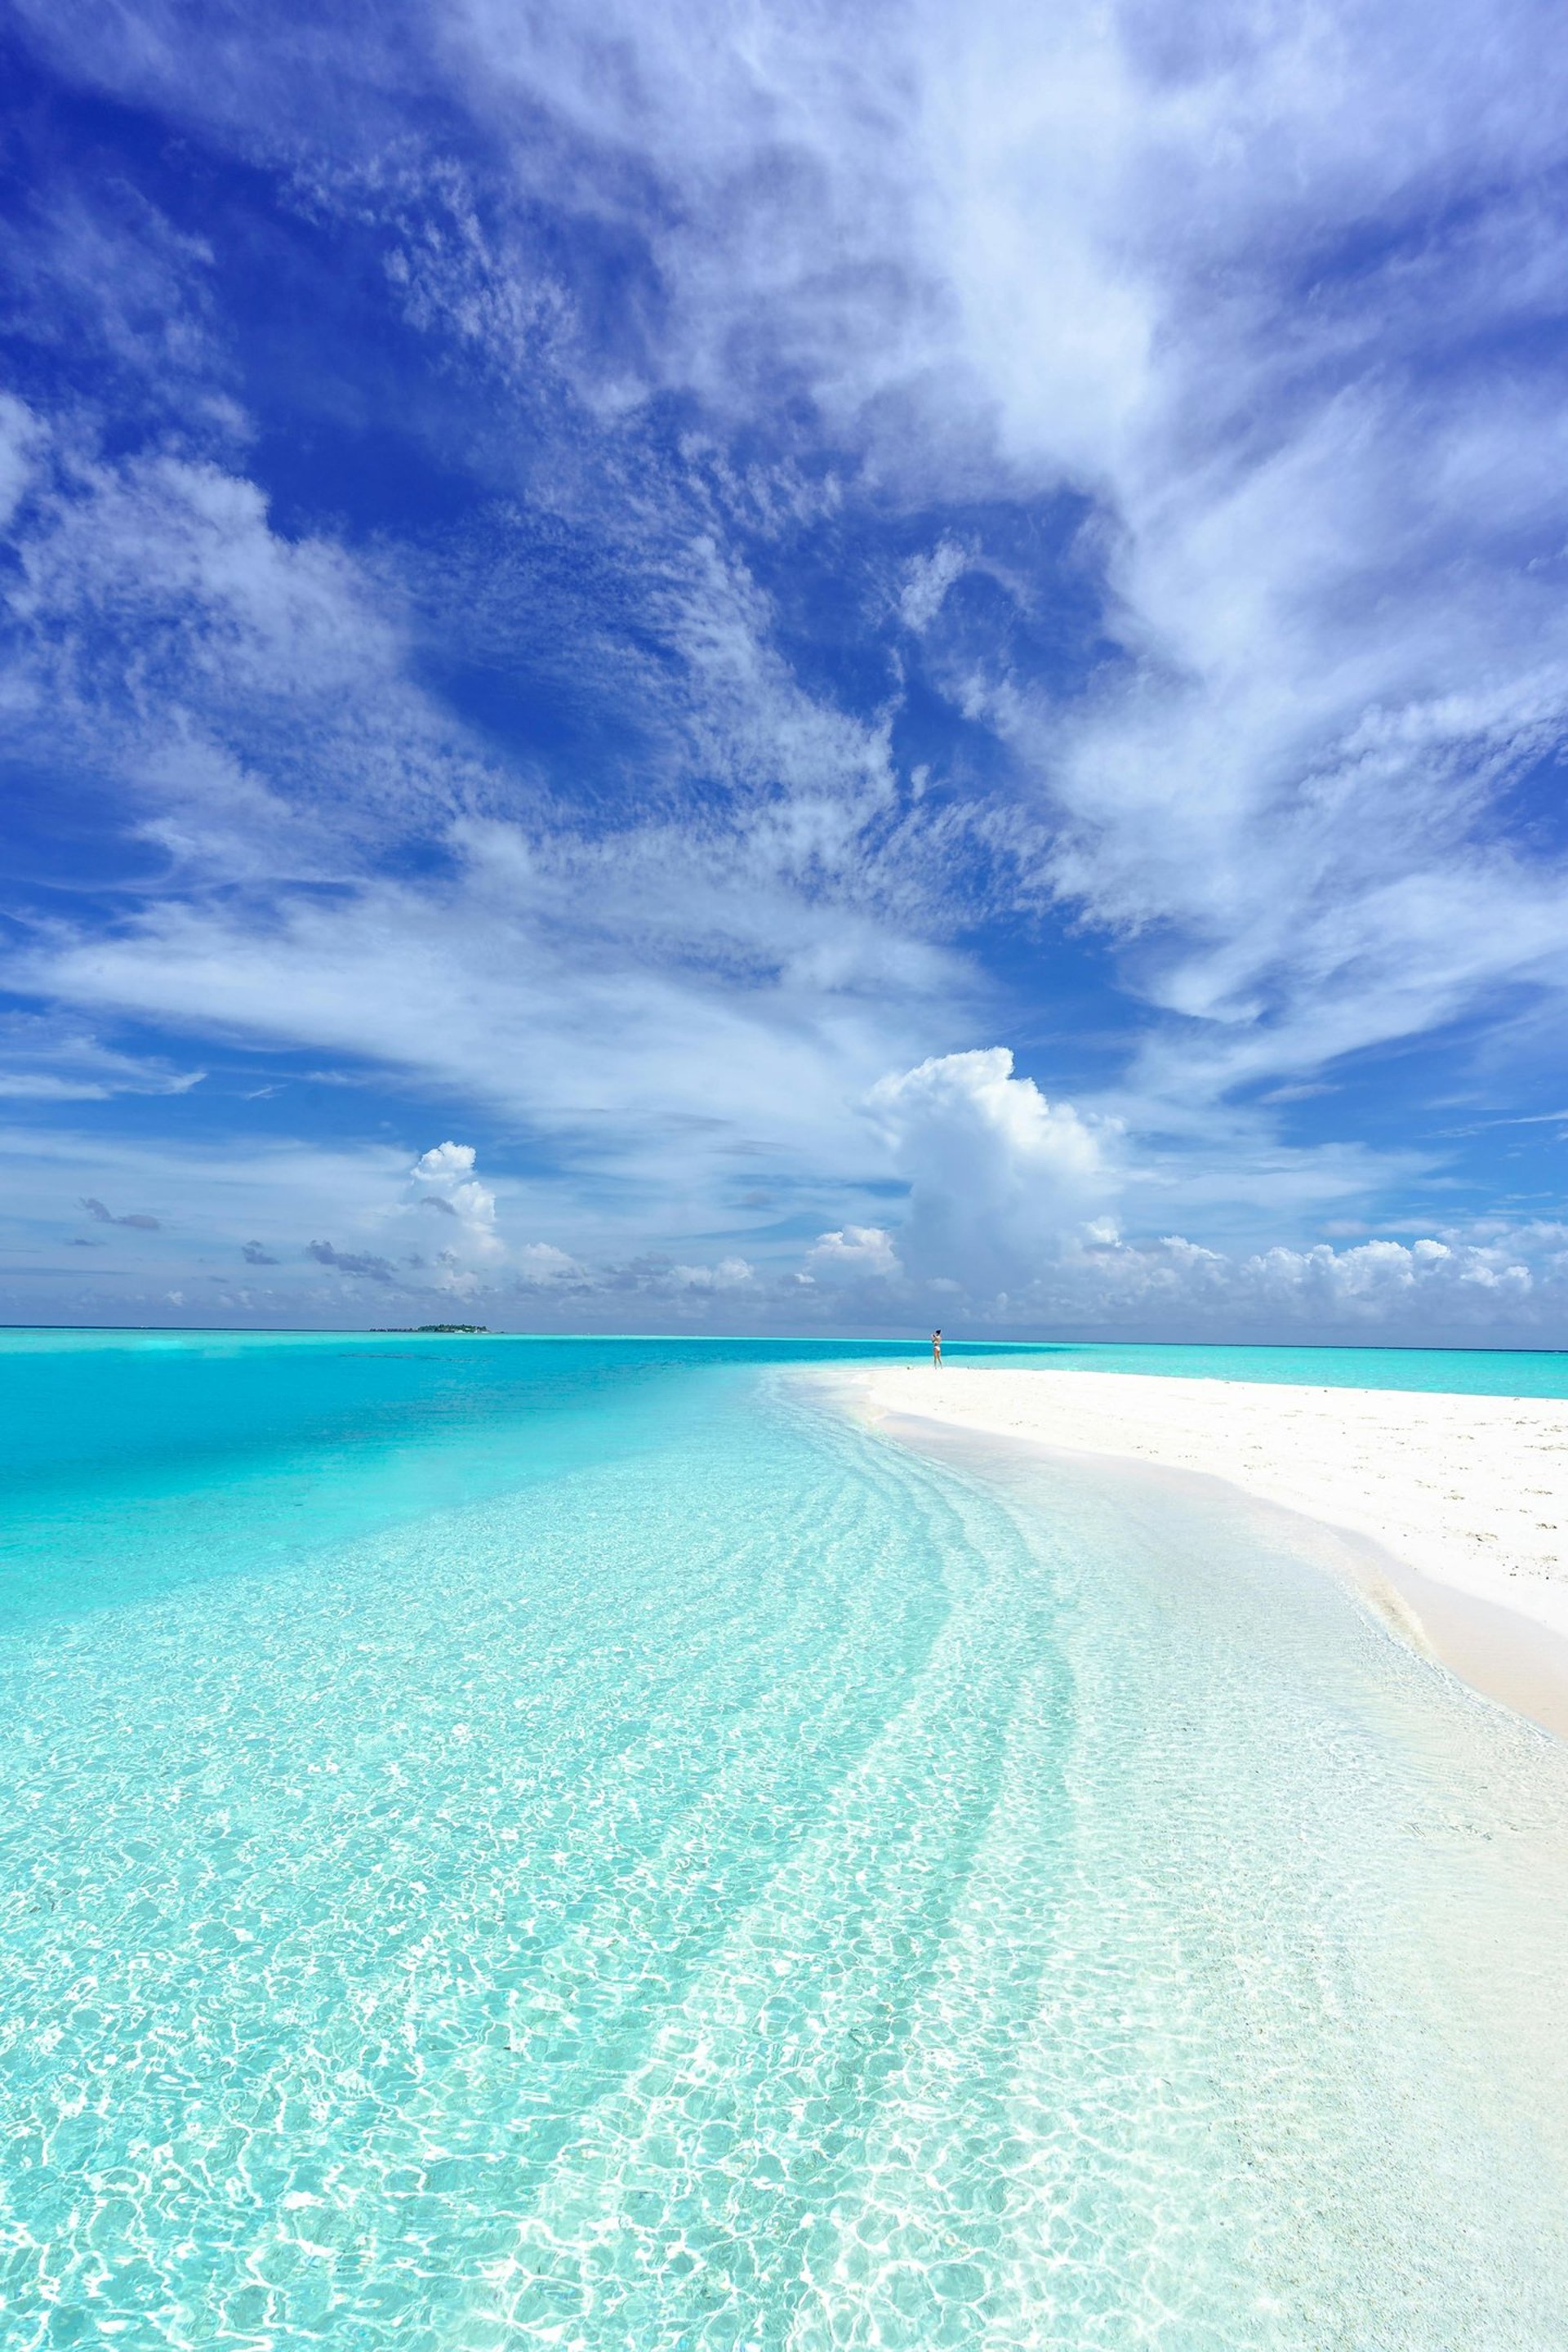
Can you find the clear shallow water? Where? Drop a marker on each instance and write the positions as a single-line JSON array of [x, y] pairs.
[[1462, 1371], [692, 1873]]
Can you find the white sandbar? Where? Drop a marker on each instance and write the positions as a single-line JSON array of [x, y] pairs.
[[1468, 1492]]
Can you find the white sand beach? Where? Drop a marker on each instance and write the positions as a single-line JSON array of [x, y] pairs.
[[1465, 1496]]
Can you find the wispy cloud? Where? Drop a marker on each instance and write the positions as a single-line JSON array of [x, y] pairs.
[[904, 533], [44, 1059]]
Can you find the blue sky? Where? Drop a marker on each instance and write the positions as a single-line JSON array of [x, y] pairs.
[[740, 668]]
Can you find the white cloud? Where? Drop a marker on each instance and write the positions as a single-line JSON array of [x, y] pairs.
[[651, 1010], [450, 1167], [1378, 1277], [1470, 1287], [997, 1173], [952, 1100], [1080, 248], [446, 1161], [853, 1250], [43, 1058], [928, 577], [250, 691], [20, 435], [475, 1204], [1002, 256], [322, 1237], [729, 1274], [540, 1265]]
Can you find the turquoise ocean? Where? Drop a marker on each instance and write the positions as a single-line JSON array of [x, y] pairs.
[[582, 1843]]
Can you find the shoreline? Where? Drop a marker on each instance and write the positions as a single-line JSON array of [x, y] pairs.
[[1454, 1510]]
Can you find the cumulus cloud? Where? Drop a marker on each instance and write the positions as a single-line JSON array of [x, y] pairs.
[[1375, 1276], [446, 1162], [460, 1196], [853, 1250], [997, 1173], [1462, 1289]]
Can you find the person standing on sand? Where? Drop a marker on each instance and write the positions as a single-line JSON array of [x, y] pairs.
[[936, 1348]]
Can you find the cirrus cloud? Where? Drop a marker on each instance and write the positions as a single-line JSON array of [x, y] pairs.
[[802, 555]]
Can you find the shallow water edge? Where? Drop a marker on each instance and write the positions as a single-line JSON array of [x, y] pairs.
[[1499, 1652]]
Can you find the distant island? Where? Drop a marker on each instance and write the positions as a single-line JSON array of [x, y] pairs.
[[406, 1329]]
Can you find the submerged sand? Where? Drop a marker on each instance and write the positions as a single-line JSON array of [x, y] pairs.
[[1467, 1497]]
